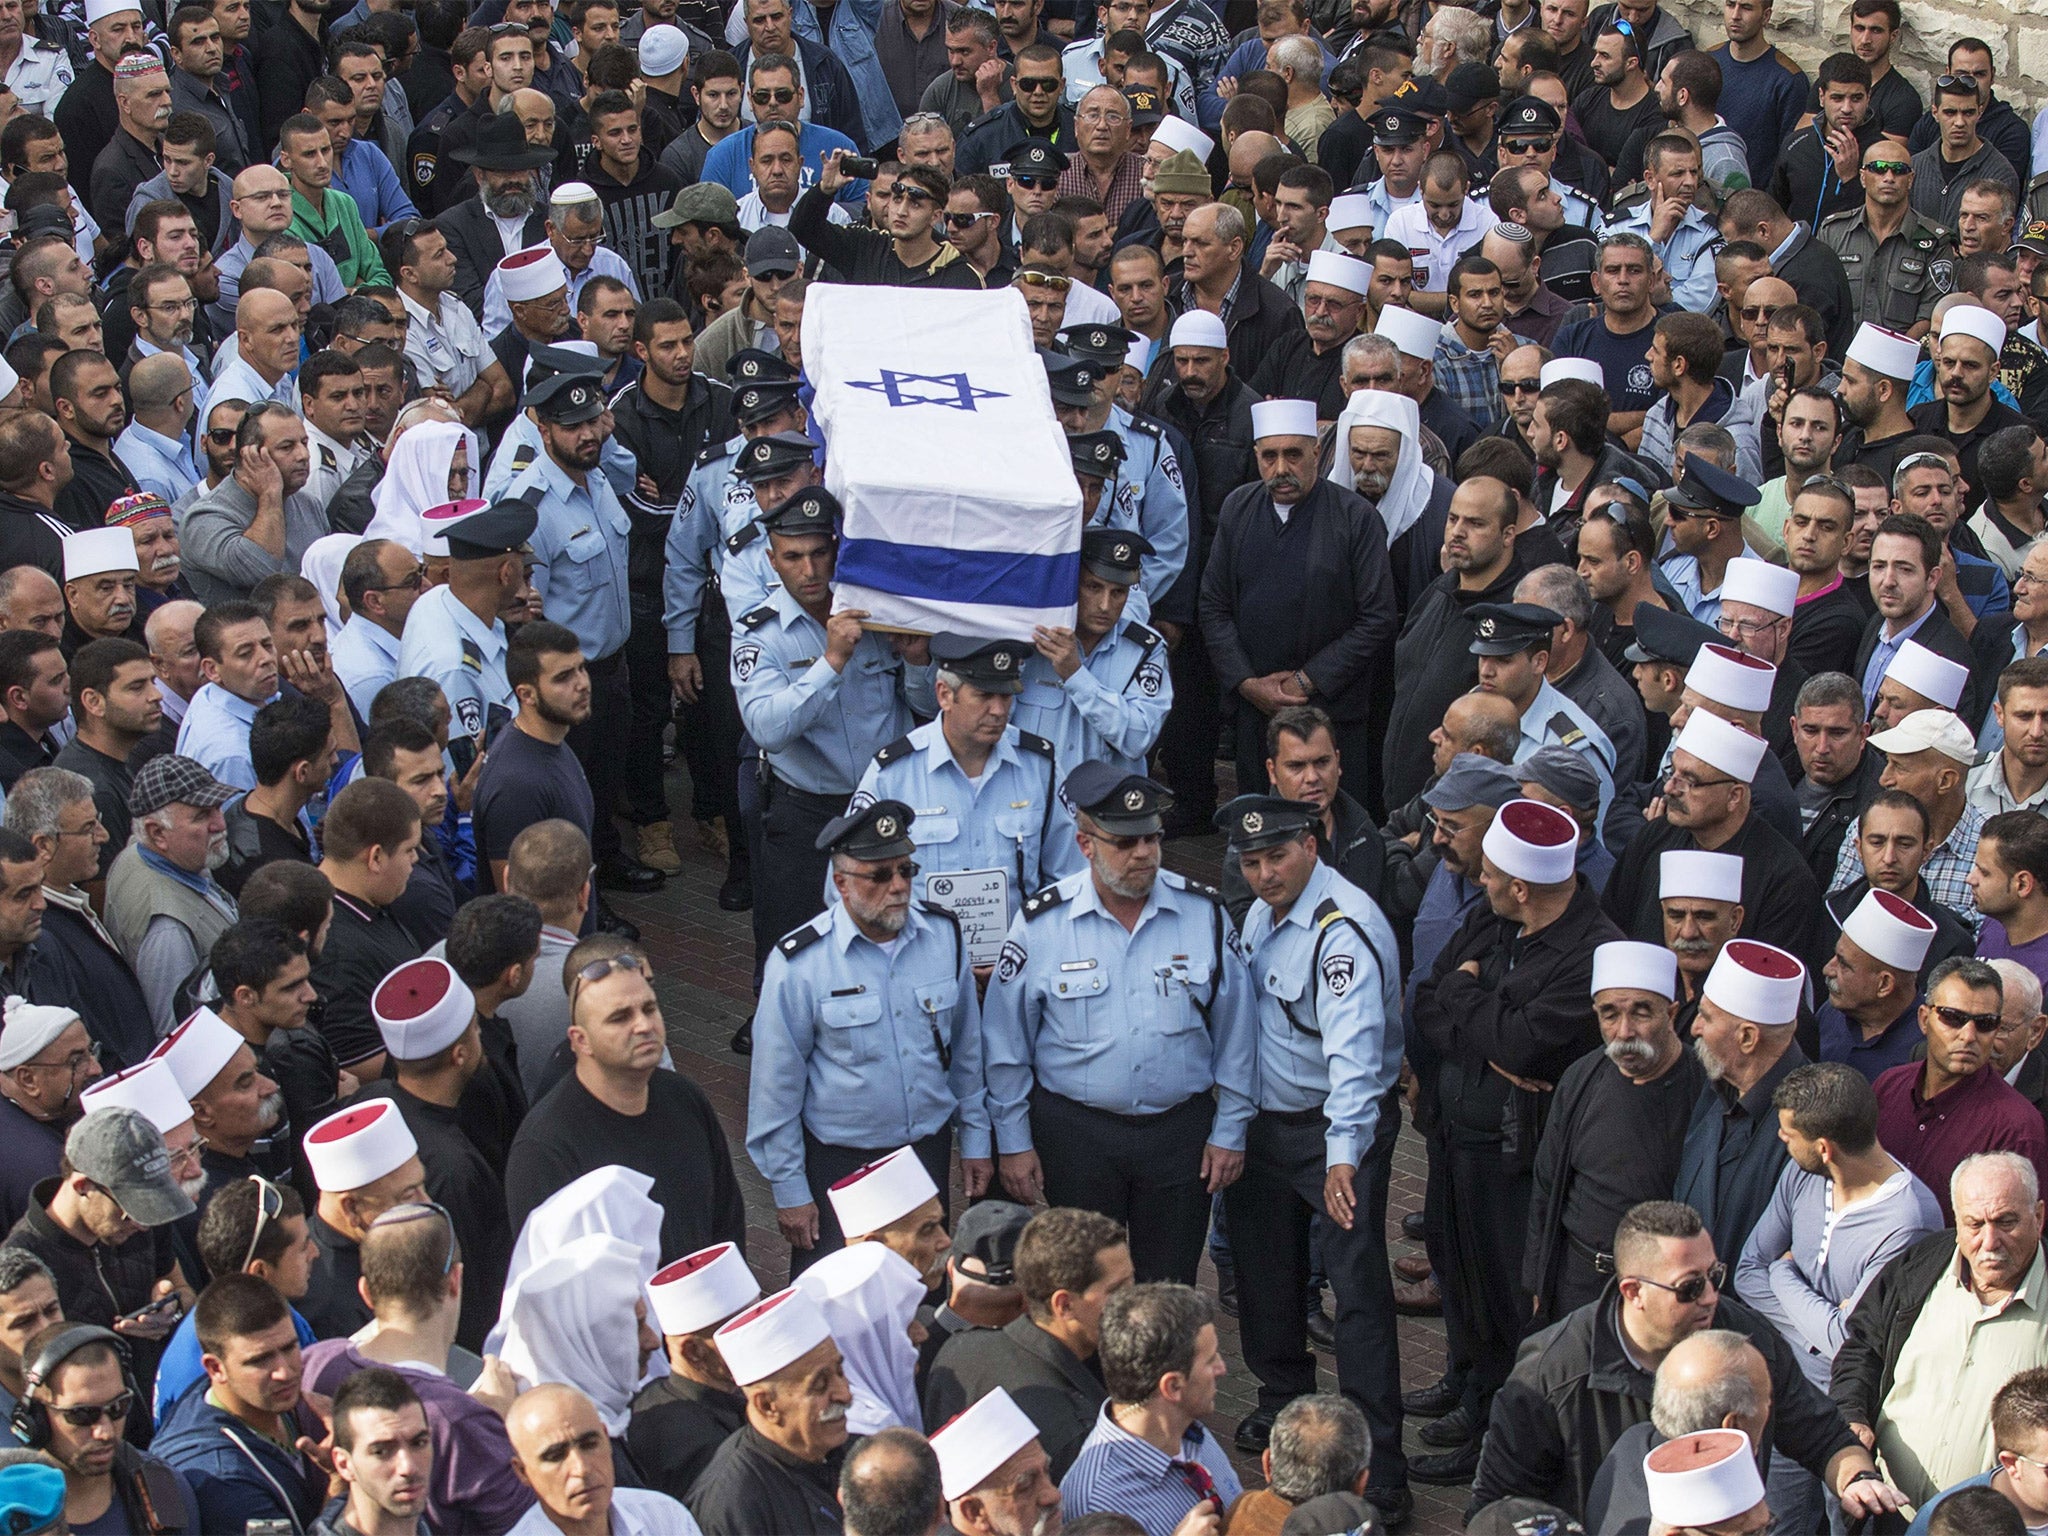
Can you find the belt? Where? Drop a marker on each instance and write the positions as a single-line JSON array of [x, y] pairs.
[[1121, 1119], [1295, 1117], [1603, 1263], [781, 786]]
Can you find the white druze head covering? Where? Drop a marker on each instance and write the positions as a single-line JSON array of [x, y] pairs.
[[1348, 210], [974, 1443], [1415, 335], [771, 1335], [321, 565], [1581, 368], [1891, 930], [1731, 677], [611, 1202], [1631, 963], [417, 478], [97, 551], [1696, 873], [884, 1191], [570, 1319], [1340, 270], [869, 1293], [1756, 981], [1721, 745], [151, 1090], [1773, 588], [198, 1050], [354, 1148], [1934, 677], [1533, 841], [1702, 1479], [1408, 493], [1199, 328], [1885, 353], [703, 1289], [1177, 134], [1284, 418], [1976, 322]]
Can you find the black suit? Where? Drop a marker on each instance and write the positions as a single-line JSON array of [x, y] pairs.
[[474, 238], [1940, 636], [1058, 1392]]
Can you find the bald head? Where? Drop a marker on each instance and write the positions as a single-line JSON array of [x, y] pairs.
[[258, 309], [532, 1421], [1713, 1379], [1772, 291], [29, 599], [170, 622], [157, 380], [1248, 149], [260, 178], [1482, 723]]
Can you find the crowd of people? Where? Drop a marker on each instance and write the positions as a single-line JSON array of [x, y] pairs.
[[1566, 501]]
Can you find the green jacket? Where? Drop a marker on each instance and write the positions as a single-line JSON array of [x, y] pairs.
[[340, 234]]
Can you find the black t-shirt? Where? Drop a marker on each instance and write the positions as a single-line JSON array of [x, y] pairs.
[[364, 945], [526, 780], [1608, 129], [111, 780]]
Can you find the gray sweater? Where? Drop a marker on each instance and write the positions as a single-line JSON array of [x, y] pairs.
[[221, 560]]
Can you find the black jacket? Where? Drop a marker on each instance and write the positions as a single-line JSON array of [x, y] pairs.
[[31, 534], [1881, 1324], [98, 480], [1940, 636], [478, 249], [1822, 842], [1261, 319], [103, 989], [2000, 127], [869, 255], [992, 137], [1221, 439], [1058, 1392]]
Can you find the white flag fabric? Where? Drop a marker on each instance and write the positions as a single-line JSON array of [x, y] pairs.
[[962, 511]]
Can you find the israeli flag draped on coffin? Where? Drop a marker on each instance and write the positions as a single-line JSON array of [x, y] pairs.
[[962, 512]]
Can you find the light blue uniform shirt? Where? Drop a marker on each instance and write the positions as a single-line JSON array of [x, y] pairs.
[[1147, 496], [215, 734], [1111, 710], [520, 447], [820, 728], [580, 546], [1012, 819], [1115, 1019], [446, 641], [1688, 255], [1329, 1006], [1540, 729], [716, 508], [846, 1045], [365, 658], [162, 465], [1381, 205], [1683, 572]]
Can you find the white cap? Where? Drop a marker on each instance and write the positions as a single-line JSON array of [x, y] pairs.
[[1177, 133], [97, 551], [571, 193], [422, 1007], [1929, 730], [1283, 418], [1934, 677], [663, 51], [706, 1288], [1348, 210], [1702, 1479], [1138, 354], [1721, 745], [1773, 588], [869, 1198], [151, 1090], [1891, 930], [1340, 271], [100, 10], [29, 1028], [1571, 368], [1728, 676], [197, 1050], [1702, 876], [1198, 328], [1977, 322], [533, 273], [974, 1443], [1756, 981], [1416, 335], [1885, 353], [1534, 842], [358, 1146], [1630, 963], [771, 1335], [8, 378]]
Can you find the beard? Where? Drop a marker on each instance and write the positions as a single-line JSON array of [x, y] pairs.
[[193, 1187], [510, 202], [1371, 483], [1709, 1062], [216, 851], [1135, 886], [555, 716], [270, 1113]]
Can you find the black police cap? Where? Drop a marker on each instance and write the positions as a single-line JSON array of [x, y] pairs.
[[1096, 453], [1037, 157], [757, 402], [993, 666], [494, 531], [1662, 635], [550, 361], [567, 399], [1113, 553], [1252, 822], [1530, 117], [1122, 804], [1504, 629], [1392, 125], [877, 831], [1707, 487], [1072, 380], [750, 365], [776, 454], [811, 510], [1098, 343]]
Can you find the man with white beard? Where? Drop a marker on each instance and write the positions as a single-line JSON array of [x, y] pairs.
[[1616, 1127]]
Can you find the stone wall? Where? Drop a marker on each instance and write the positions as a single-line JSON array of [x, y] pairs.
[[1810, 30]]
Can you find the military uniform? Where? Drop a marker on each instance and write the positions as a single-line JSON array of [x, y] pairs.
[[445, 640], [1895, 283], [1327, 982], [1118, 1054], [860, 1049]]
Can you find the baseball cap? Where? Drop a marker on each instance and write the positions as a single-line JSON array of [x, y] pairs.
[[1929, 730], [124, 1154], [772, 248], [985, 1241]]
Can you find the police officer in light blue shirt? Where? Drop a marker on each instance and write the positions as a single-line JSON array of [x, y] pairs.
[[765, 473], [986, 794], [1326, 972], [1121, 1035], [521, 444], [1507, 638], [1101, 690], [453, 633], [820, 696], [867, 1036], [1688, 250]]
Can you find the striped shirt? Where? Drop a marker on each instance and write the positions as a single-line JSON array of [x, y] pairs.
[[1117, 1471], [1946, 872]]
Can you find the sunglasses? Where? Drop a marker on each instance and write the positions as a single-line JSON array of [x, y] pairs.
[[220, 437], [1889, 167], [1036, 183], [900, 193], [85, 1415], [1521, 386], [269, 1205], [1957, 1018], [1052, 280], [410, 582], [1693, 1287], [1759, 311], [1526, 146], [399, 1215], [889, 875], [1126, 844], [966, 221], [1037, 83], [597, 970], [780, 95]]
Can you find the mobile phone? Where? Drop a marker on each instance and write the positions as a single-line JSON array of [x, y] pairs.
[[268, 1526], [859, 167], [173, 1303]]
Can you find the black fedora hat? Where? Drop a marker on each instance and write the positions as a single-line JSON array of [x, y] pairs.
[[501, 146]]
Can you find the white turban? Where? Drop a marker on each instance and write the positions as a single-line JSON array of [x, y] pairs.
[[321, 566], [1409, 492], [570, 1319], [417, 478]]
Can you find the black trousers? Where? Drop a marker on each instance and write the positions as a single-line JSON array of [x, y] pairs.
[[1270, 1209], [791, 886], [826, 1165], [709, 737], [595, 743], [1142, 1170], [653, 702], [1187, 742], [1485, 1230]]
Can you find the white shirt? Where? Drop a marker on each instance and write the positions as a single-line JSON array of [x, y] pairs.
[[754, 214], [1435, 254], [604, 262], [448, 349], [511, 232], [39, 76], [635, 1512]]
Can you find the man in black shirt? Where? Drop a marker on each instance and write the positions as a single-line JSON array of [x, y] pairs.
[[370, 839], [365, 1161], [406, 752], [291, 750], [681, 1419], [86, 396], [632, 187], [529, 772], [1620, 99], [262, 972], [115, 707], [35, 694]]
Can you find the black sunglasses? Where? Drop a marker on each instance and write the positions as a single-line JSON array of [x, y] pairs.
[[1693, 1287], [1037, 83], [878, 877], [85, 1415], [1526, 146], [1521, 386], [1036, 183], [1956, 1018]]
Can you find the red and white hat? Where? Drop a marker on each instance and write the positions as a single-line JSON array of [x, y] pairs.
[[1732, 678], [1283, 418], [1885, 353], [1756, 981], [1703, 876], [887, 1190], [707, 1287], [974, 1443], [1773, 588], [151, 1090], [359, 1146], [197, 1050], [1891, 930], [1719, 744], [1534, 842], [422, 1007], [1702, 1479], [1630, 963], [771, 1335], [1935, 678], [533, 273], [1340, 271]]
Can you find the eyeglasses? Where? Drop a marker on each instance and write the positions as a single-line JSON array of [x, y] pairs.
[[1959, 1018], [1685, 779], [1101, 115], [269, 1206], [1693, 1287], [1052, 280], [175, 307], [85, 1415], [1034, 84], [191, 1151], [966, 221], [1521, 386], [95, 825], [74, 1063], [1526, 146], [597, 970], [1745, 629], [419, 1210], [778, 95], [1678, 514], [903, 192], [906, 872], [1889, 167], [410, 582]]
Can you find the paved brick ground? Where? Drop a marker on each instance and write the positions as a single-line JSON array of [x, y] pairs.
[[704, 961]]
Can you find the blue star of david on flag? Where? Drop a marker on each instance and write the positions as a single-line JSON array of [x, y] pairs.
[[953, 390]]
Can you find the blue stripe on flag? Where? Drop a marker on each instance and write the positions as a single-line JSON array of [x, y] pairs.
[[945, 575]]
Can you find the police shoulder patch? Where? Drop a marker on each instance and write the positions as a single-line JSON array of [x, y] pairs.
[[1567, 734], [524, 455], [1010, 962], [1044, 901], [469, 710], [423, 169], [1031, 743], [899, 748], [1328, 912], [746, 659], [1182, 882], [798, 939], [1337, 973], [1147, 426], [755, 618], [1150, 677], [1145, 635], [327, 458], [712, 451]]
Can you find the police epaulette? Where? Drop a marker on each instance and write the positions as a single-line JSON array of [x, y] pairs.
[[1146, 425], [472, 655], [523, 456], [740, 540], [1031, 743], [1196, 886], [1328, 912], [900, 747], [1568, 734], [938, 913], [1845, 213], [798, 939], [758, 616], [717, 450], [1144, 634], [1044, 901]]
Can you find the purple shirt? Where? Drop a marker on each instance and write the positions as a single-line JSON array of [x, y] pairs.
[[1982, 1113], [473, 1487], [1992, 944]]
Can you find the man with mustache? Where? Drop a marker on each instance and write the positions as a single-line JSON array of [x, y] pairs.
[[1616, 1127], [1700, 897], [233, 1103], [1869, 1020], [262, 973]]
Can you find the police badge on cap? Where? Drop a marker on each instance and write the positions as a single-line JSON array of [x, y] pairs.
[[566, 400], [1121, 804], [1252, 822], [880, 830], [776, 454], [1113, 554], [993, 666]]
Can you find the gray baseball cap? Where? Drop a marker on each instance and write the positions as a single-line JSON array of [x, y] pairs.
[[1567, 774], [1472, 780], [125, 1155]]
